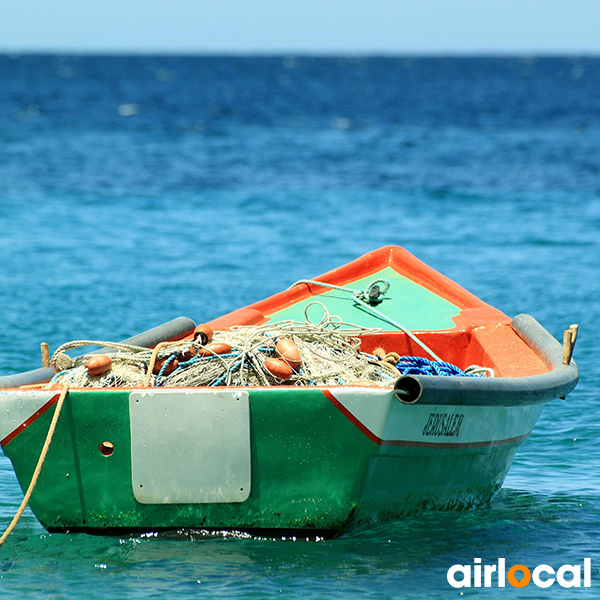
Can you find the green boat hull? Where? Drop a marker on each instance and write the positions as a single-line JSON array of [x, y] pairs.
[[312, 468]]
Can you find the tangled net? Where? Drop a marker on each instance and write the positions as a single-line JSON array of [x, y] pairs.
[[329, 355]]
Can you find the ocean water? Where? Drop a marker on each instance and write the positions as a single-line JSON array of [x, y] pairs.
[[137, 189]]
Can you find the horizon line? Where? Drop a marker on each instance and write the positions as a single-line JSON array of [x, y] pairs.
[[519, 54]]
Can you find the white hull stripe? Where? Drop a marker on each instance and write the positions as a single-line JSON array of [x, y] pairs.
[[388, 422]]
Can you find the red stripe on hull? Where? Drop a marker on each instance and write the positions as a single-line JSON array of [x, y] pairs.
[[38, 413], [351, 417]]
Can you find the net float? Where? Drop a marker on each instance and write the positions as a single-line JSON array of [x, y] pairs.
[[158, 365], [289, 353], [215, 348], [204, 332], [278, 368], [98, 365]]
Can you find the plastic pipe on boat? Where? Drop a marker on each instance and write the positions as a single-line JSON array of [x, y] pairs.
[[408, 389], [172, 330]]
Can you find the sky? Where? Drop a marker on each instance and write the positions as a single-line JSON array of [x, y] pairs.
[[302, 26]]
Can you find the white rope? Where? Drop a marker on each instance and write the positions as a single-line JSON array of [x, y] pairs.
[[363, 294]]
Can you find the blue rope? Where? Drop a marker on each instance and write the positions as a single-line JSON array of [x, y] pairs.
[[162, 370], [416, 365], [224, 377], [192, 361], [55, 378]]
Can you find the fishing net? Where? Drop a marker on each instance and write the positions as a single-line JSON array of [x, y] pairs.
[[329, 354]]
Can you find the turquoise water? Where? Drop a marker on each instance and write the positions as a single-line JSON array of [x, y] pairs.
[[135, 190]]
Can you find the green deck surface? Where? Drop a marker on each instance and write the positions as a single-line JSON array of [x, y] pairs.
[[406, 302]]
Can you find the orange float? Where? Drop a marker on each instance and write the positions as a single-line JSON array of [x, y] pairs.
[[289, 352], [98, 365], [188, 354], [158, 365], [215, 348], [204, 332], [278, 368]]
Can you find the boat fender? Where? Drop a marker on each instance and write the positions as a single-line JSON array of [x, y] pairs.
[[278, 368], [408, 389], [289, 353], [98, 365], [203, 334], [214, 348]]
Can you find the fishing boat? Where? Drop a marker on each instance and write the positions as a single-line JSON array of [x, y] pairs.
[[288, 449]]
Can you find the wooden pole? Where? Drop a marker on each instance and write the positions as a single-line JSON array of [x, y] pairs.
[[45, 355], [569, 338]]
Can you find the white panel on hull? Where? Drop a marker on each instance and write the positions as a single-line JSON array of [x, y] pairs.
[[190, 446]]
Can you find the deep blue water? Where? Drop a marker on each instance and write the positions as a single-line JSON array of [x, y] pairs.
[[137, 189]]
